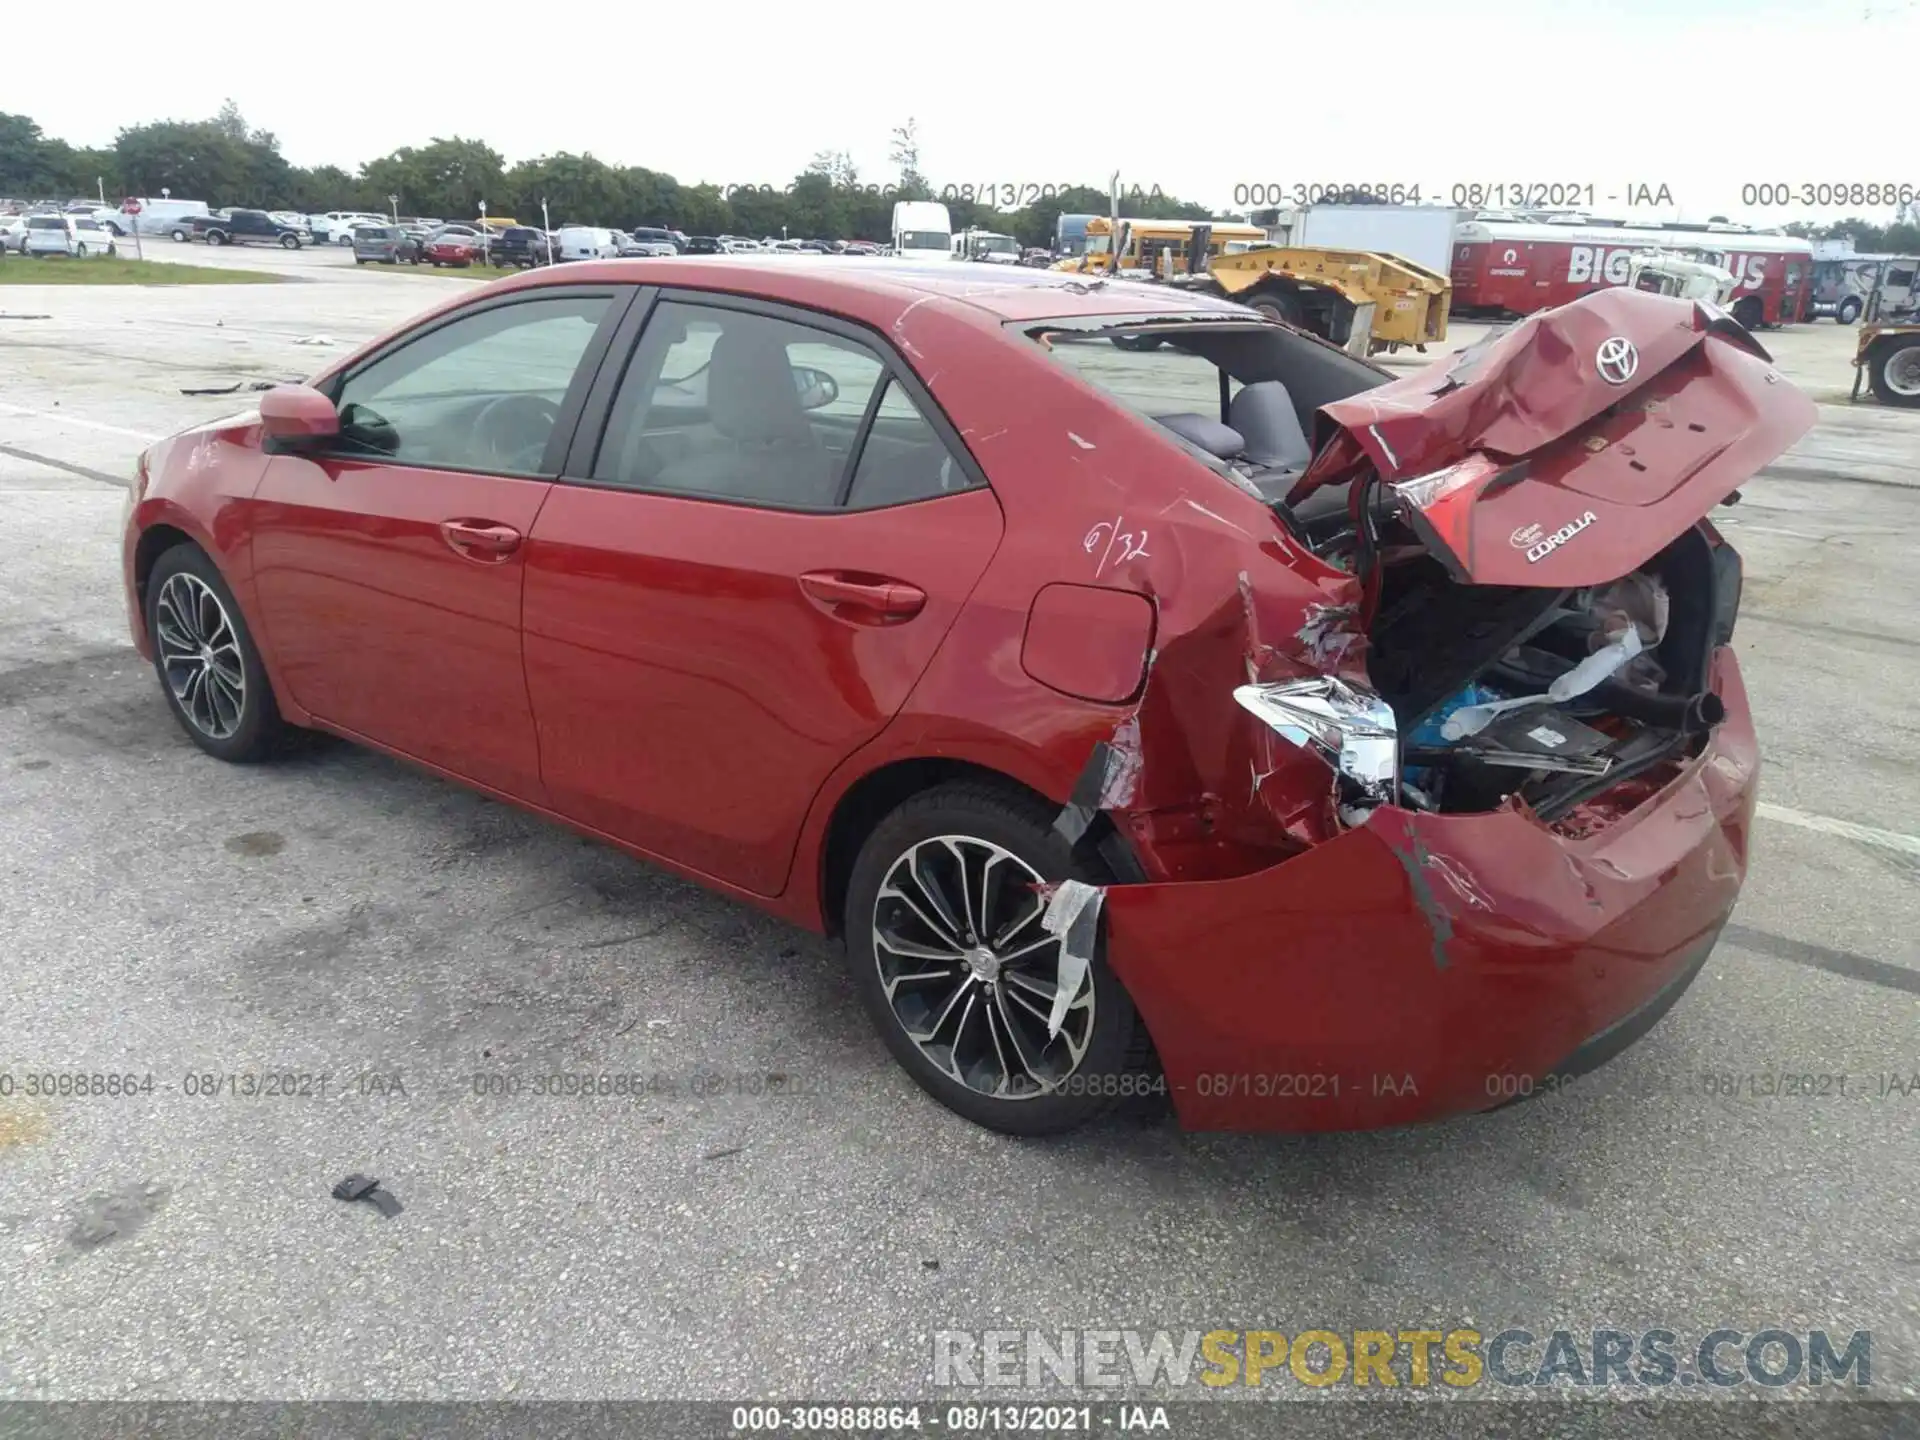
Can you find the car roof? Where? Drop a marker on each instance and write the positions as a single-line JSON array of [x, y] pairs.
[[881, 290]]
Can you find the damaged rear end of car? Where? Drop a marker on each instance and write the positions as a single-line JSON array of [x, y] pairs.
[[1447, 801]]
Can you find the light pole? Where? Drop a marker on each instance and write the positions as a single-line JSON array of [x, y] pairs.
[[393, 204]]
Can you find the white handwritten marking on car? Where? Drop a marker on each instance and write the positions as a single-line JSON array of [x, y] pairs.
[[1130, 546], [1559, 537]]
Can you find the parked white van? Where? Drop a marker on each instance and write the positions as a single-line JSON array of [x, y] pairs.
[[587, 242]]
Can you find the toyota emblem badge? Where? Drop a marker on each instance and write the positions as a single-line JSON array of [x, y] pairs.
[[1616, 360]]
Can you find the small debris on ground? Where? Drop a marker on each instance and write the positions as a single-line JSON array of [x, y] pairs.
[[365, 1187]]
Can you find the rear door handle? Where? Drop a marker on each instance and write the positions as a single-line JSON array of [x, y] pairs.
[[865, 599], [480, 537]]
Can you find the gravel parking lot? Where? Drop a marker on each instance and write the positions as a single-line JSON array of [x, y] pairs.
[[341, 915]]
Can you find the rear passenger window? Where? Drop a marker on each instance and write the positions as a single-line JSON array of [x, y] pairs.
[[738, 406], [903, 458]]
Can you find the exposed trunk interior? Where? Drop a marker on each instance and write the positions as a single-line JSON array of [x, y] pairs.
[[1488, 658]]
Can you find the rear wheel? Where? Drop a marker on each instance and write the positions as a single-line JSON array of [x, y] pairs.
[[1750, 312], [180, 235], [205, 657], [1893, 369], [955, 970], [1279, 305], [214, 237]]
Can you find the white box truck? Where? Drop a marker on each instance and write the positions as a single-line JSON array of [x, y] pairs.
[[1423, 234], [922, 230]]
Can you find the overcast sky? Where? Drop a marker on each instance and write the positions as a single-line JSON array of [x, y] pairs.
[[1700, 95]]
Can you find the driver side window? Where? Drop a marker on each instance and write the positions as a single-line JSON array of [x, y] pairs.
[[483, 392]]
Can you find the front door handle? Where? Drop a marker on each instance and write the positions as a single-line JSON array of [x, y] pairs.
[[862, 598], [480, 537]]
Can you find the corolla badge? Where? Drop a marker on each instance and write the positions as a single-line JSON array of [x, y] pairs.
[[1543, 548], [1616, 359]]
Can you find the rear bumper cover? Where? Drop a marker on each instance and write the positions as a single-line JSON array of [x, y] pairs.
[[1420, 966]]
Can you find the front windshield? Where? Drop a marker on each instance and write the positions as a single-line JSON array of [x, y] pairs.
[[1099, 244], [996, 244], [925, 240]]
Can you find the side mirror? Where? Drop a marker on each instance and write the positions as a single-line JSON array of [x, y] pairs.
[[816, 387], [292, 416]]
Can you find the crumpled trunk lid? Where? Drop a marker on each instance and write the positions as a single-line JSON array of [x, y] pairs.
[[1567, 450]]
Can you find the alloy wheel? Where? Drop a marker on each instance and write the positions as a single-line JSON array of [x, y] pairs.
[[200, 655], [970, 974]]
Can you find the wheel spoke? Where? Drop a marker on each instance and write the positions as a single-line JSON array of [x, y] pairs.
[[939, 1021], [914, 950], [1032, 947], [969, 931], [1021, 920], [940, 930]]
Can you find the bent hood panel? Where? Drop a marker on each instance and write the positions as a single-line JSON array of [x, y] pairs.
[[1587, 478]]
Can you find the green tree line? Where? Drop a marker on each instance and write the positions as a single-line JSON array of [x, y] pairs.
[[224, 161]]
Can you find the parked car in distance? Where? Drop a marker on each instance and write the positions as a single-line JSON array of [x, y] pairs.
[[705, 245], [335, 227], [251, 227], [384, 245], [194, 227], [107, 217], [657, 240], [587, 242], [522, 245], [446, 248], [783, 632], [13, 233], [77, 235]]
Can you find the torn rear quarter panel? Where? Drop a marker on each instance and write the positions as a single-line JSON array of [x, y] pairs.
[[1418, 965]]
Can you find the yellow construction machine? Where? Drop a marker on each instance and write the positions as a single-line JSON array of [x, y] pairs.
[[1363, 301]]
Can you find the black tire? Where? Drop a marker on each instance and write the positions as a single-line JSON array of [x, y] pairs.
[[1897, 355], [1137, 344], [1281, 306], [114, 229], [359, 259], [290, 242], [1015, 823], [1749, 311], [1848, 310], [258, 732], [214, 237], [182, 236]]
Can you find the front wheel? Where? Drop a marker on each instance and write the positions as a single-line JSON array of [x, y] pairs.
[[205, 657], [1893, 369], [943, 931], [1750, 312], [1848, 310], [290, 242], [80, 251]]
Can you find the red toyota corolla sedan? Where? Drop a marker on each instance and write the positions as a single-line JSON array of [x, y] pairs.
[[1217, 717]]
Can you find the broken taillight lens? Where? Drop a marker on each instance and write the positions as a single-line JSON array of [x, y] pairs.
[[1424, 490], [1352, 729]]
